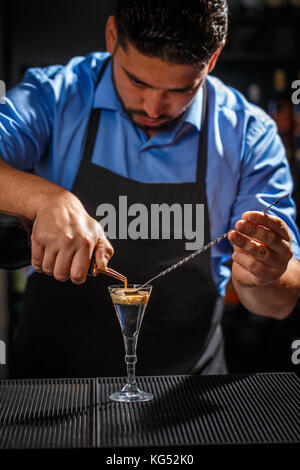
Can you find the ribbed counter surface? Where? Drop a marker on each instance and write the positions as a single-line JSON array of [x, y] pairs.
[[225, 410]]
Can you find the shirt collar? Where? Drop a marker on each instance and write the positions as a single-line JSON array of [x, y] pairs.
[[107, 98], [105, 95], [194, 113]]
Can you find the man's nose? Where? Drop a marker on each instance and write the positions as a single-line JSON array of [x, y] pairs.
[[154, 103]]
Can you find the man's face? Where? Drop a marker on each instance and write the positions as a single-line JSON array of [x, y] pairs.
[[154, 93]]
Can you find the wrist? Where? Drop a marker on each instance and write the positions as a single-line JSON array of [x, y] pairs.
[[276, 299], [25, 195], [46, 195]]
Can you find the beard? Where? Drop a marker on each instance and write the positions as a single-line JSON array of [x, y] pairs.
[[169, 122], [166, 124]]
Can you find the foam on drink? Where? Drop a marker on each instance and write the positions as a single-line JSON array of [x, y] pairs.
[[123, 296]]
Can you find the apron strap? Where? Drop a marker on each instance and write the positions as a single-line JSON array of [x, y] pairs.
[[102, 70], [202, 163], [93, 122], [202, 148]]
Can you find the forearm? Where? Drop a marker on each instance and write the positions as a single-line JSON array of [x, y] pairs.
[[64, 235], [275, 300], [22, 193]]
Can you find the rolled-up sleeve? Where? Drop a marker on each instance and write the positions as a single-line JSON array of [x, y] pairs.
[[265, 177], [26, 118]]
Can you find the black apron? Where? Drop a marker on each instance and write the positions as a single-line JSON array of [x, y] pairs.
[[70, 330]]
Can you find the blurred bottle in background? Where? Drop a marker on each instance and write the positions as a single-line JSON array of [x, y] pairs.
[[280, 108], [254, 94], [295, 4]]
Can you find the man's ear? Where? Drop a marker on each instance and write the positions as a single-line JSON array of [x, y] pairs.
[[111, 34], [214, 58]]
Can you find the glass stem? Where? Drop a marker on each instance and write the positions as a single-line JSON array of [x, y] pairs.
[[130, 359]]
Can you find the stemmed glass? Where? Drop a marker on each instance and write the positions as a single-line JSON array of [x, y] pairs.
[[130, 304]]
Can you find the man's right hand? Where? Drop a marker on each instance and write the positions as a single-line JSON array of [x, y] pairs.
[[63, 234], [64, 237]]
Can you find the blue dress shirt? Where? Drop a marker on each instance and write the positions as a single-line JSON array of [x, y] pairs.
[[43, 125]]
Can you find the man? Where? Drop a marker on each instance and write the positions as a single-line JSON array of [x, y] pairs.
[[168, 157]]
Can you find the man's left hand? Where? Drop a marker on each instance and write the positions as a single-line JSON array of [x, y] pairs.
[[262, 249]]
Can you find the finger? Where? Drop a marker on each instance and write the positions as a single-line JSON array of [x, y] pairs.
[[63, 265], [270, 221], [37, 255], [261, 253], [264, 235], [104, 252], [80, 265], [49, 262], [251, 247], [252, 270]]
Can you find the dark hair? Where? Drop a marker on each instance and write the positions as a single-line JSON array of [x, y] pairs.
[[179, 31]]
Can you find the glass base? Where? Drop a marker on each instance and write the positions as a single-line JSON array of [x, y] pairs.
[[131, 394]]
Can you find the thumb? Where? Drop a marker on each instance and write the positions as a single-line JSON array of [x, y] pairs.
[[103, 252]]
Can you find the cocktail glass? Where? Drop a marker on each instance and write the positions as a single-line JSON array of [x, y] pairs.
[[130, 305]]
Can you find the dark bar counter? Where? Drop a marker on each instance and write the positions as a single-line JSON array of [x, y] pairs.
[[189, 413]]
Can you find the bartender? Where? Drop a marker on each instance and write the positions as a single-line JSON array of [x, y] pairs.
[[113, 136]]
